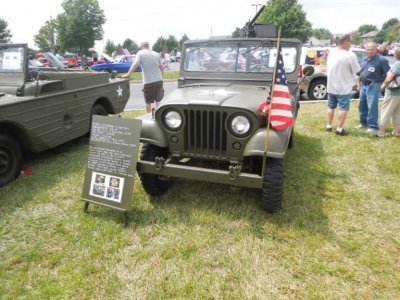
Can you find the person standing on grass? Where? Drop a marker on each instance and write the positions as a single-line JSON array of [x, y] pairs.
[[152, 73], [373, 71], [391, 101], [342, 67]]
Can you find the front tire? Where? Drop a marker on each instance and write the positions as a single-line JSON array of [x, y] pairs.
[[318, 90], [154, 185], [10, 159], [272, 190]]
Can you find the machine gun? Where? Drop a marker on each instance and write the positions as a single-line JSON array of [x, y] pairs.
[[253, 29]]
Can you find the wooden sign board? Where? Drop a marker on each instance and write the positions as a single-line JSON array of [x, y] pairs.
[[110, 173]]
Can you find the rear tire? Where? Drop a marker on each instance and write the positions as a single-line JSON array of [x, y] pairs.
[[318, 90], [99, 110], [10, 159], [272, 190], [154, 185]]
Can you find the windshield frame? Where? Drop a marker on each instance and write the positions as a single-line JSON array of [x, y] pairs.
[[232, 56]]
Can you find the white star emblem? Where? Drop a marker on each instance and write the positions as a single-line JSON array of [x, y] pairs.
[[119, 91]]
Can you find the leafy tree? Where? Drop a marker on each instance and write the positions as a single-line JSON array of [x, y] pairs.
[[393, 33], [237, 33], [356, 37], [182, 40], [132, 46], [390, 23], [159, 44], [171, 43], [47, 36], [322, 33], [80, 25], [363, 29], [382, 34], [110, 47], [288, 14], [5, 34]]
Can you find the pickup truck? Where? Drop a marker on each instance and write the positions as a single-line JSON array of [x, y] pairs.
[[41, 110]]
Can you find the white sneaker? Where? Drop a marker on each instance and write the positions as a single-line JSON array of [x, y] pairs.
[[360, 127], [372, 131]]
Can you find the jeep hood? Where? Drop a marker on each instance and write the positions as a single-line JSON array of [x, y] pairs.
[[240, 96]]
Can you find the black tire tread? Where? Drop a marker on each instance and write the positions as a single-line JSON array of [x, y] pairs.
[[9, 144], [151, 183], [272, 190], [310, 93]]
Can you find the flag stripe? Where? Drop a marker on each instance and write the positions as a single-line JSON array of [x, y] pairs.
[[281, 115], [282, 107]]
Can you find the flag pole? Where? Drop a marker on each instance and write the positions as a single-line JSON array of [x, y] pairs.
[[266, 145]]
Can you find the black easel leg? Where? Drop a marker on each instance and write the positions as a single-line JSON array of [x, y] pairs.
[[126, 219], [85, 208]]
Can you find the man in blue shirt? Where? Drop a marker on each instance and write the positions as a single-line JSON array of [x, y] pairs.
[[373, 72]]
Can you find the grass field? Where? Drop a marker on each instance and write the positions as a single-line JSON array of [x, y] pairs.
[[337, 237]]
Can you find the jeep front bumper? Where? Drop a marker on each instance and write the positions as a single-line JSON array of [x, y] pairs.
[[231, 177]]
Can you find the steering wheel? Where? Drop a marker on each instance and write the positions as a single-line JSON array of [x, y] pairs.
[[258, 68]]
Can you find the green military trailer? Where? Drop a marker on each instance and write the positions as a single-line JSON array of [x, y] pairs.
[[211, 127], [41, 110]]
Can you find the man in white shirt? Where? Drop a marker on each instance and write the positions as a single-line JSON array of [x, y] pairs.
[[152, 74], [342, 68]]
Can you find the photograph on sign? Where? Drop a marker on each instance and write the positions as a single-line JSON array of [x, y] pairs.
[[107, 186]]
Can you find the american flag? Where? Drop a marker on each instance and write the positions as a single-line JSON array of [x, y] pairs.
[[281, 116]]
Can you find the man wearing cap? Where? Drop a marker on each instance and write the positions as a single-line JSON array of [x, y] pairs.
[[373, 71], [152, 74]]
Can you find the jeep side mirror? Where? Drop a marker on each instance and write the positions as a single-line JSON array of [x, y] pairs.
[[308, 71]]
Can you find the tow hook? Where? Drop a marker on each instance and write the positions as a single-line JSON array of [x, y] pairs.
[[234, 172], [159, 163]]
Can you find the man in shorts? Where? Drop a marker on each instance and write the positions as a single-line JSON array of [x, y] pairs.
[[342, 68], [152, 73]]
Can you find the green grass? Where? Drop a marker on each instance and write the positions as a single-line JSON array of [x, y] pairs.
[[337, 237]]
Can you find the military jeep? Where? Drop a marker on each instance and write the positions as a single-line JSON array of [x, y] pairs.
[[211, 129], [41, 110]]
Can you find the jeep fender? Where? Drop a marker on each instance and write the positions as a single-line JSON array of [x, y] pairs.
[[152, 132], [277, 146]]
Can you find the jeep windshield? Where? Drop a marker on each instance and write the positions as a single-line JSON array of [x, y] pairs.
[[237, 58]]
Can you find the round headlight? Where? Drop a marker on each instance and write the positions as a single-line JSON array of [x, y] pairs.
[[240, 125], [173, 119]]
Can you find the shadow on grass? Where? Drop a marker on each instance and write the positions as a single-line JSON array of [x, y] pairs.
[[49, 168], [305, 182]]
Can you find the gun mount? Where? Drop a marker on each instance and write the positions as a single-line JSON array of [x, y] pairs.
[[253, 29]]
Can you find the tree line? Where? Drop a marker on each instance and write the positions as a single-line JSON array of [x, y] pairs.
[[81, 24]]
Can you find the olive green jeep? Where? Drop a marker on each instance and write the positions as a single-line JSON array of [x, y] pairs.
[[211, 128], [42, 110]]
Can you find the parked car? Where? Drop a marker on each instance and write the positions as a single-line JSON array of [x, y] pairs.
[[315, 86], [50, 108], [71, 60], [121, 65], [211, 128]]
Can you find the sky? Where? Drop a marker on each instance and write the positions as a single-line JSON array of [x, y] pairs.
[[151, 19]]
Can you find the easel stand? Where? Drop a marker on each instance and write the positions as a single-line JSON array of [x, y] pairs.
[[125, 212]]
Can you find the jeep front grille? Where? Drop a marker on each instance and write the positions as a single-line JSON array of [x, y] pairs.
[[205, 133]]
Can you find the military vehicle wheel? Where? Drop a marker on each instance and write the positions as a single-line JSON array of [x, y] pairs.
[[154, 185], [99, 110], [318, 90], [272, 190], [10, 159]]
